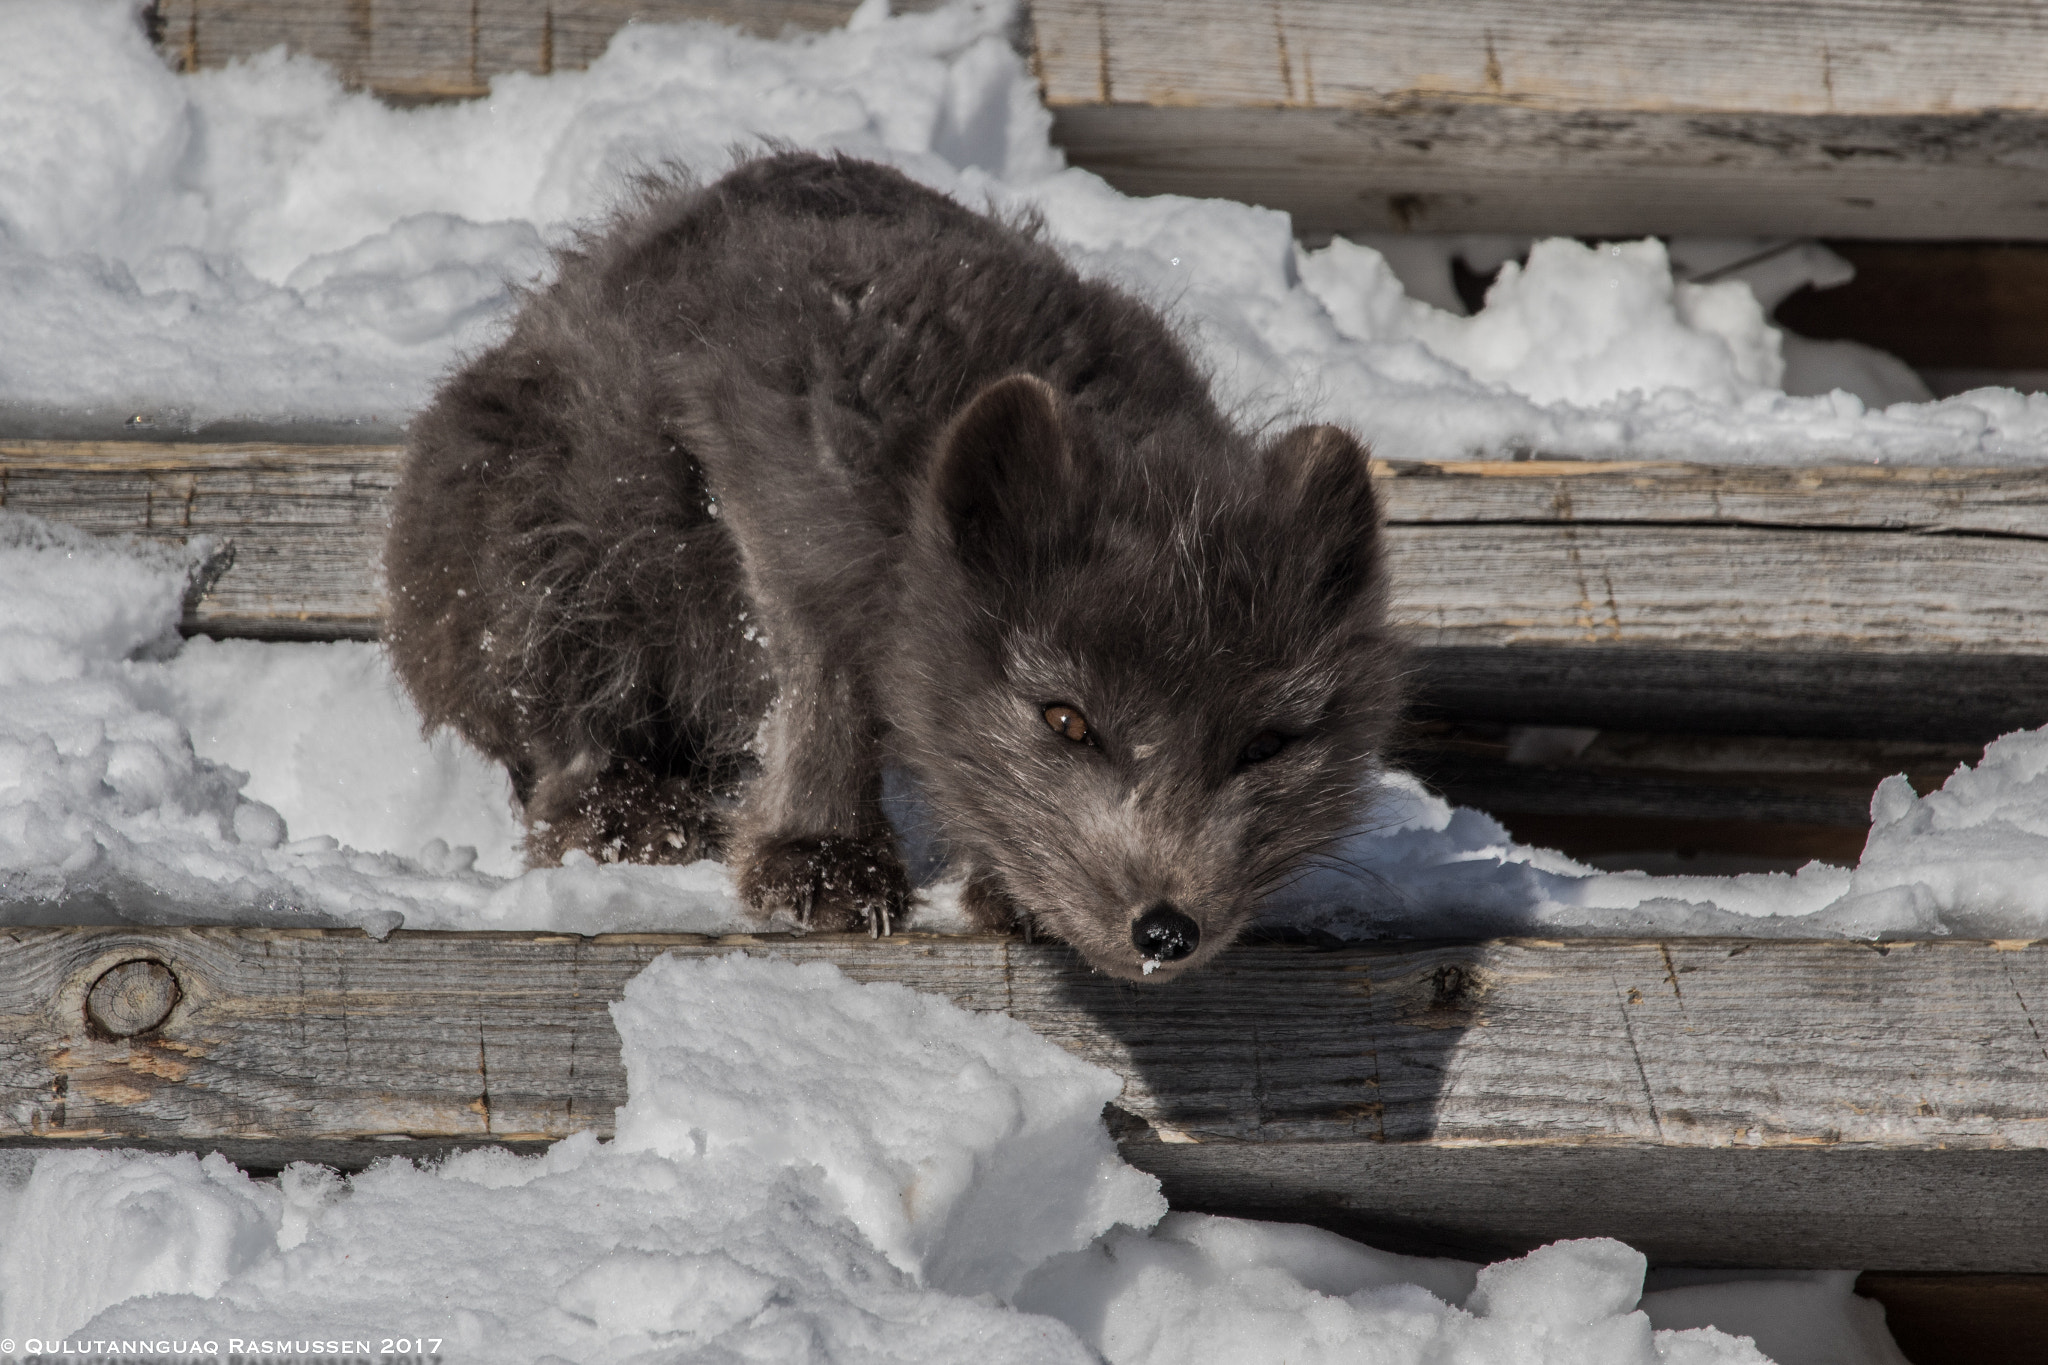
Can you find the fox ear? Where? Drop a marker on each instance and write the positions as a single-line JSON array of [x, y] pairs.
[[1320, 481], [1007, 474]]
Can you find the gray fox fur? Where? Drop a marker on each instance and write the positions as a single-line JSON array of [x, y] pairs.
[[810, 471]]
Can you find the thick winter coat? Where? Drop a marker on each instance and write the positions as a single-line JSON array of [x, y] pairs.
[[811, 471]]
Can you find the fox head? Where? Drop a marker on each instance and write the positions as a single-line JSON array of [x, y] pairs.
[[1149, 672]]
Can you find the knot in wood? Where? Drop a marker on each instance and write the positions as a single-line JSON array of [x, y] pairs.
[[1450, 987], [132, 998]]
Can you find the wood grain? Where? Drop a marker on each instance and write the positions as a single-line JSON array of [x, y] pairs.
[[1529, 553], [1980, 1211], [1647, 595], [1850, 118], [1596, 173], [449, 49], [1679, 587], [306, 522], [1285, 1074], [1860, 57], [1927, 499]]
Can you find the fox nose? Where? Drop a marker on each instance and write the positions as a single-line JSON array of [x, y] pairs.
[[1164, 934]]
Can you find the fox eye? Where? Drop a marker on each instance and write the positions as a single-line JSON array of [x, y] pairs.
[[1070, 724], [1262, 746]]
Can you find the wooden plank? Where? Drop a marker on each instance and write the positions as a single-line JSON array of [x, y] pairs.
[[1680, 587], [1831, 1208], [1857, 57], [1284, 1078], [1629, 595], [1851, 118], [412, 50], [1847, 118], [1444, 166], [1924, 498], [306, 522], [1862, 58], [1484, 553]]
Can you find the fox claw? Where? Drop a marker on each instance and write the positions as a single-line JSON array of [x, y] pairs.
[[830, 884]]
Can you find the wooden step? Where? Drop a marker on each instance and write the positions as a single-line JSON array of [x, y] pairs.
[[1847, 599], [1711, 1101], [1838, 118]]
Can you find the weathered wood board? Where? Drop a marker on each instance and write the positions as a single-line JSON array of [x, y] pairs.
[[1624, 594], [306, 522], [1848, 118], [1827, 1103], [1550, 552], [445, 49]]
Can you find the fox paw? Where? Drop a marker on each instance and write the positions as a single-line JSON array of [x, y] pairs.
[[832, 884], [625, 816], [990, 909]]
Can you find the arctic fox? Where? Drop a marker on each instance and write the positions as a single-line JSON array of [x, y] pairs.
[[811, 470]]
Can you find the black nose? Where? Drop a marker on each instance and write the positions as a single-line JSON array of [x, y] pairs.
[[1164, 934]]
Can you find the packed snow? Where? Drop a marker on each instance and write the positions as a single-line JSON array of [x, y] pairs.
[[258, 242], [810, 1169]]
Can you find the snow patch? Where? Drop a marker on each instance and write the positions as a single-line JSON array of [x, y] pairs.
[[256, 241]]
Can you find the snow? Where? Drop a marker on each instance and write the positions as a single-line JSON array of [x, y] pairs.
[[805, 1168], [152, 781], [108, 812], [764, 1200], [1972, 857], [256, 242], [1199, 1288], [970, 1194], [1793, 1315]]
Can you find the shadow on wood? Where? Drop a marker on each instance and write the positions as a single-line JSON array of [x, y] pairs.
[[1713, 1102], [1939, 696]]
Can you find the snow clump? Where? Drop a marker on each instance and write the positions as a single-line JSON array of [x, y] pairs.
[[258, 242]]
